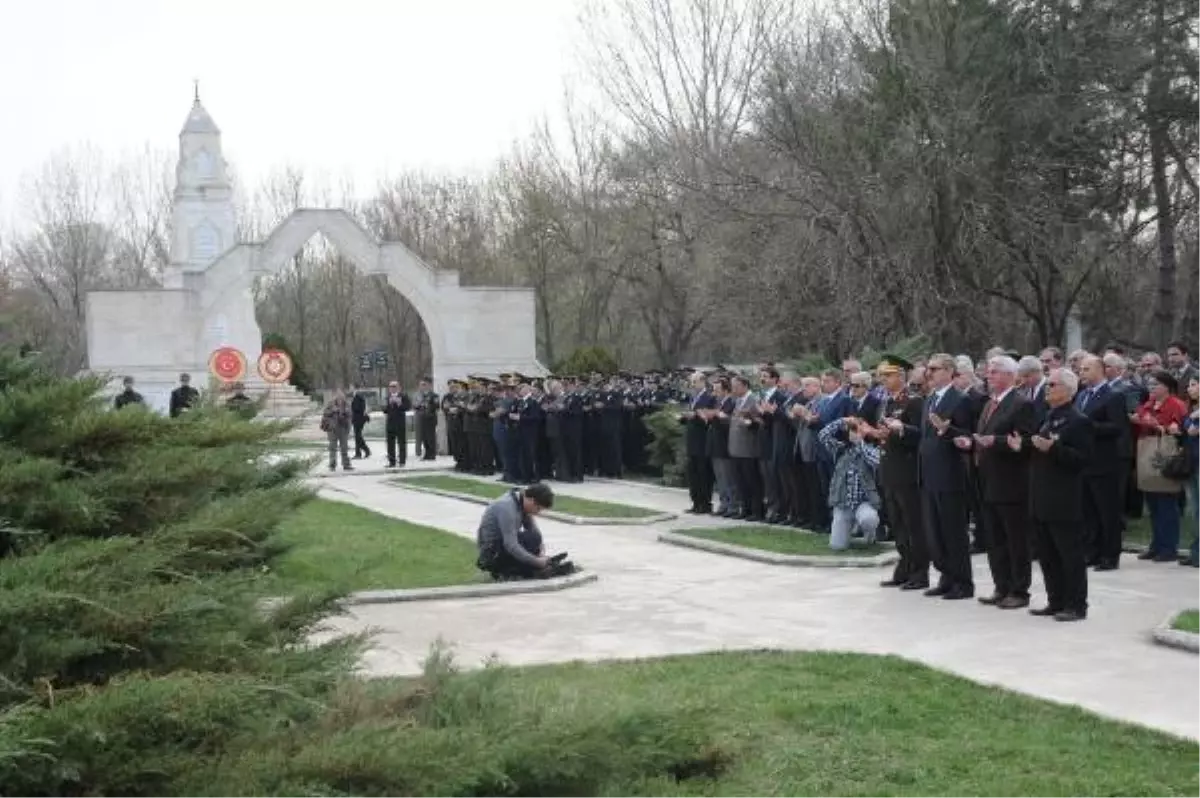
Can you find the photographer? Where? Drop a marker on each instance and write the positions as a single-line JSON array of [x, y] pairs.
[[853, 497]]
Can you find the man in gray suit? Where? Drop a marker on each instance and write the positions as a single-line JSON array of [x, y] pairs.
[[743, 449]]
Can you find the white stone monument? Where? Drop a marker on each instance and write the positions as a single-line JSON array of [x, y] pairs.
[[206, 300]]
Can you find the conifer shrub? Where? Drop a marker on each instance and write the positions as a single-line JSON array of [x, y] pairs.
[[140, 658]]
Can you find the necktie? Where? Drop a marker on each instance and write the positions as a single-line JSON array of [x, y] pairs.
[[1084, 398], [988, 410]]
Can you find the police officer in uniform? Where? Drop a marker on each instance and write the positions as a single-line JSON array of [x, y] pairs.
[[574, 411], [478, 427], [452, 409], [611, 404], [425, 420]]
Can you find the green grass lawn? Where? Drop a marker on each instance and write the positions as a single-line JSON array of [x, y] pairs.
[[562, 504], [1188, 621], [760, 723], [777, 539], [338, 545]]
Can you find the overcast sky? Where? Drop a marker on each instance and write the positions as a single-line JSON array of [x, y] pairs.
[[351, 86]]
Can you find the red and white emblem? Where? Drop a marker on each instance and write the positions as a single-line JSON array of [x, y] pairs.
[[274, 366], [227, 364]]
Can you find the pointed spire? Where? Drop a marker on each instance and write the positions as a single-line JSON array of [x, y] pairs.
[[198, 120]]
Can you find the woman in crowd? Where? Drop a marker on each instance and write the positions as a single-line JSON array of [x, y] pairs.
[[1158, 423]]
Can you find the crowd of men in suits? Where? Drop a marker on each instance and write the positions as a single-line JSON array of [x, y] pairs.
[[1034, 453]]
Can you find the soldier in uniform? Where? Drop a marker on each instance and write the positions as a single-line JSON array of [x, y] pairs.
[[611, 405], [529, 427], [425, 419], [478, 427], [452, 409], [899, 432], [551, 402], [503, 412], [574, 411], [545, 451]]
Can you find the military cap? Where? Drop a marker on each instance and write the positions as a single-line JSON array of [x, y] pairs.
[[893, 364]]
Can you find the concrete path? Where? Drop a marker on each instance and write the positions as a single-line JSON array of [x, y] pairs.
[[653, 599]]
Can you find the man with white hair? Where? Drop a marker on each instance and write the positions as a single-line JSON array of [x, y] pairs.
[[1059, 452], [1004, 484], [1031, 379], [700, 477], [1104, 473]]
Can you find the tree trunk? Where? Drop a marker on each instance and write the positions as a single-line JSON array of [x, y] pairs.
[[1157, 122]]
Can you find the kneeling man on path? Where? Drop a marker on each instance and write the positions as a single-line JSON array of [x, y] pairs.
[[510, 543]]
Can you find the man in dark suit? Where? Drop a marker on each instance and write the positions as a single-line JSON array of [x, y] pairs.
[[1004, 483], [899, 431], [1059, 452], [183, 397], [943, 481], [699, 467], [771, 420], [396, 408], [1105, 471], [358, 419]]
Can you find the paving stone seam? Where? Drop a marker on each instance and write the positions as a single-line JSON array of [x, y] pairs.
[[1165, 634], [444, 592], [777, 558], [578, 520]]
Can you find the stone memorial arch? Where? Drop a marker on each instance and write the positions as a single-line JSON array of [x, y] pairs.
[[207, 297]]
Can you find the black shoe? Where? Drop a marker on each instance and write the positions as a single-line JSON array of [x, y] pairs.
[[1187, 560], [959, 593], [692, 511], [993, 599], [893, 583], [755, 519], [1045, 612], [1067, 616], [1146, 555], [1165, 558], [914, 585], [1105, 565], [704, 511], [357, 457], [347, 467], [939, 590]]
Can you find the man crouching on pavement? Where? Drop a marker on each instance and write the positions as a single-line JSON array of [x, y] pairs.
[[510, 543]]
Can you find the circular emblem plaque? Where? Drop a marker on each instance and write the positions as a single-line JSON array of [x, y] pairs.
[[227, 364], [274, 366]]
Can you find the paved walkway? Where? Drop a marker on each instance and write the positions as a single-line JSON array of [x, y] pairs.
[[653, 599]]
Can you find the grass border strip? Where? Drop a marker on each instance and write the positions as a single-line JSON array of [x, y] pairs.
[[381, 471], [1165, 634], [579, 520], [776, 558], [1137, 548], [481, 590]]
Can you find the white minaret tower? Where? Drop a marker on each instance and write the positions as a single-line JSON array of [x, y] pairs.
[[202, 219]]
